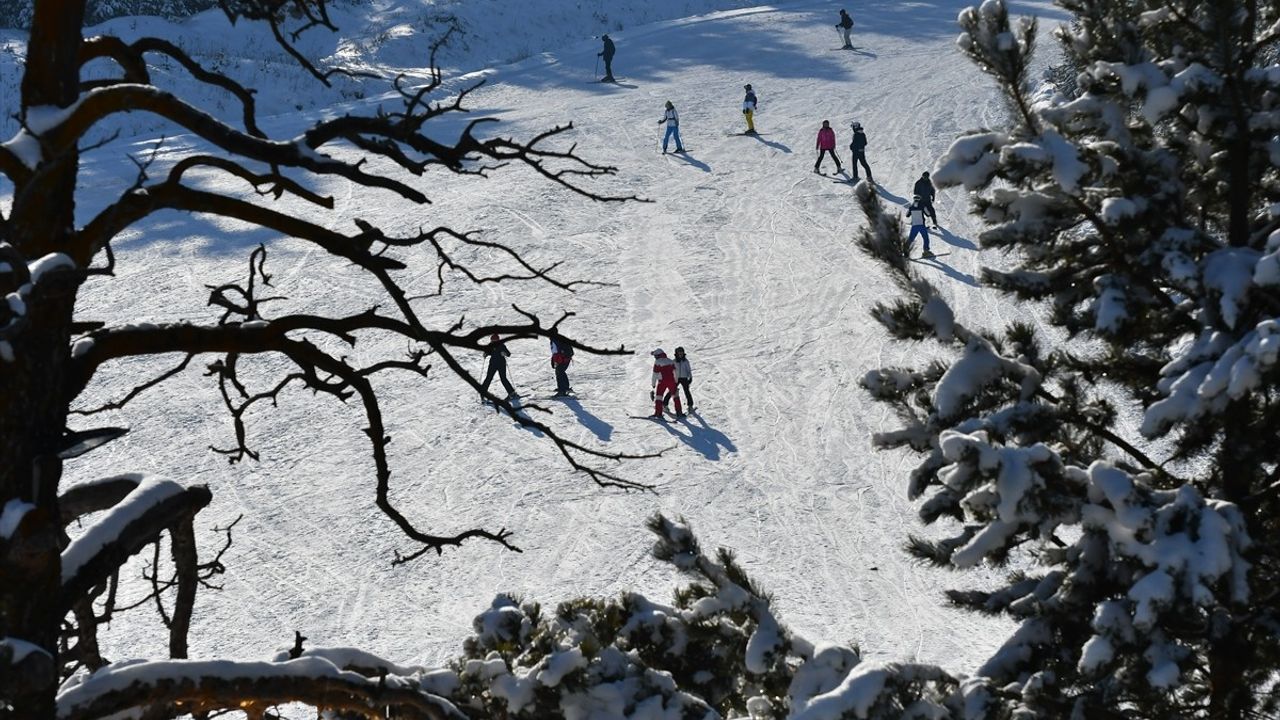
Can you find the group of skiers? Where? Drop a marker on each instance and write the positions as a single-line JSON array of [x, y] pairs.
[[496, 354], [669, 375], [826, 145]]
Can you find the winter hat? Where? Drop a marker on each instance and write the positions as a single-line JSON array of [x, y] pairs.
[[747, 86], [493, 337], [826, 123], [856, 126], [658, 353], [669, 104], [926, 174], [680, 351]]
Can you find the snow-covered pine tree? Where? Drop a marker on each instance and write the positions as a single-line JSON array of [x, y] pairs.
[[1126, 454], [718, 650]]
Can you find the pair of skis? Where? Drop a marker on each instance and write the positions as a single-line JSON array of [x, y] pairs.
[[663, 418]]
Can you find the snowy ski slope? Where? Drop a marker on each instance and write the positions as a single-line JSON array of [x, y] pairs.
[[745, 257]]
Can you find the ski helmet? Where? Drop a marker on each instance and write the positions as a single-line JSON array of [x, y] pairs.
[[493, 337], [856, 126], [658, 353]]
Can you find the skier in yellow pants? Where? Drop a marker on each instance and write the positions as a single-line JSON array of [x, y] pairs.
[[749, 110]]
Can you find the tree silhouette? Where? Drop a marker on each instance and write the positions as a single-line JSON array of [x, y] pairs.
[[55, 590]]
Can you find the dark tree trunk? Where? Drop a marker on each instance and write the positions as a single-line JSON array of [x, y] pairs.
[[33, 412]]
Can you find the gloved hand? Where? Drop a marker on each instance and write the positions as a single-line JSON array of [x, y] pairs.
[[653, 395]]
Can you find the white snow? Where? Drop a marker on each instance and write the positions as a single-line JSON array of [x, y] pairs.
[[1116, 209], [12, 515], [19, 649], [119, 676], [346, 657], [106, 528], [855, 694], [1229, 272], [560, 664], [46, 263], [763, 646]]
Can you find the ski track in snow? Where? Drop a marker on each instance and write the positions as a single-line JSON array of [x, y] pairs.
[[745, 257]]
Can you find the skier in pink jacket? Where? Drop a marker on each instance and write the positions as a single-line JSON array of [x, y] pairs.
[[664, 382], [827, 146]]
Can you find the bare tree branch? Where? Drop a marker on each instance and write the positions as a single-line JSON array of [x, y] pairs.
[[137, 390]]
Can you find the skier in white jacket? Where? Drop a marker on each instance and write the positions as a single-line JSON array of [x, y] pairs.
[[672, 121], [916, 212]]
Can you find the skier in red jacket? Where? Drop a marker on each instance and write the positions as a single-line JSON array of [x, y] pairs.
[[664, 381], [827, 146]]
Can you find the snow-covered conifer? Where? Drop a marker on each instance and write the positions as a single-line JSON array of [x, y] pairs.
[[718, 650], [1143, 215]]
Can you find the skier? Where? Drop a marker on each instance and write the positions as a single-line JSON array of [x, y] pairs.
[[924, 188], [684, 377], [561, 356], [826, 146], [859, 149], [916, 212], [664, 382], [749, 109], [497, 354], [845, 25], [673, 128], [607, 54]]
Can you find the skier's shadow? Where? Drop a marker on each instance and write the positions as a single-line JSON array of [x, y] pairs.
[[890, 196], [608, 85], [701, 436], [773, 144], [598, 427], [951, 272], [955, 240], [519, 410], [686, 157]]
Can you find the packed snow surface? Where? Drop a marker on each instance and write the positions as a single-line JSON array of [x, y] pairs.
[[745, 257]]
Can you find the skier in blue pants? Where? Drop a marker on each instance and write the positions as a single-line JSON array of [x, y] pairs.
[[916, 212], [672, 121]]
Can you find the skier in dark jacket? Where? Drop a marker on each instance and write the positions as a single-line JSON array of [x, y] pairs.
[[859, 149], [749, 109], [496, 355], [607, 54], [561, 356], [846, 26], [684, 378], [924, 188]]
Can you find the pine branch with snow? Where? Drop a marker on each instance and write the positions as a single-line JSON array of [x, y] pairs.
[[1141, 215]]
